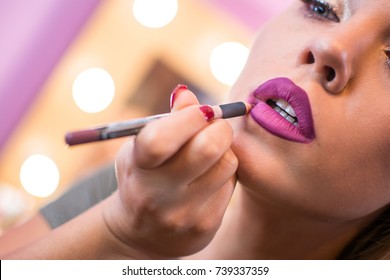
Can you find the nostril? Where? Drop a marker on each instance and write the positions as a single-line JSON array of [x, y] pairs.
[[330, 73], [310, 58]]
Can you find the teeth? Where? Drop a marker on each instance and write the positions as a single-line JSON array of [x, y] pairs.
[[284, 109]]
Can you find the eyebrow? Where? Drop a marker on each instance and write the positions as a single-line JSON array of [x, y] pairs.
[[347, 9], [343, 6]]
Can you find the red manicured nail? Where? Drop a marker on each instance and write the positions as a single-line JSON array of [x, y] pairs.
[[175, 92], [207, 111]]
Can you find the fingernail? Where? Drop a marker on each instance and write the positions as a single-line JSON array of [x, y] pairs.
[[175, 92], [207, 111]]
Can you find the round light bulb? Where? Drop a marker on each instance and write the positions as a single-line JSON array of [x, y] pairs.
[[227, 61], [93, 90], [39, 175], [155, 13]]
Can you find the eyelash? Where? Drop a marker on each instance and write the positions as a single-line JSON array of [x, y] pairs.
[[322, 10]]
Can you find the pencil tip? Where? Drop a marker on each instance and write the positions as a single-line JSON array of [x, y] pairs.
[[248, 107]]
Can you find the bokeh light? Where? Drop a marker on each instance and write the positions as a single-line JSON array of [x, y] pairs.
[[12, 203], [155, 13], [39, 175], [227, 61], [93, 90]]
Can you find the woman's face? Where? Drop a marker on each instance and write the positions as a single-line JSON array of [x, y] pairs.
[[334, 162]]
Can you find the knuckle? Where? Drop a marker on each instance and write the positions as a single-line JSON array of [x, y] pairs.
[[206, 226], [190, 225], [173, 222], [213, 144], [146, 205], [208, 148]]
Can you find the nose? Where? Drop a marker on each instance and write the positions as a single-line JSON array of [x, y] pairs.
[[329, 62]]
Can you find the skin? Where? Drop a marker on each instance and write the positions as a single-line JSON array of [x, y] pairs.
[[286, 200], [23, 234], [339, 180], [344, 173]]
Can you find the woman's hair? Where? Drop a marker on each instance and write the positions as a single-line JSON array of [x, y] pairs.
[[373, 243]]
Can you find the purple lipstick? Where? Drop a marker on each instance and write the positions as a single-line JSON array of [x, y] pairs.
[[283, 109]]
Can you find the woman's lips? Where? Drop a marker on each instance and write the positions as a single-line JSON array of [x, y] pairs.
[[292, 119]]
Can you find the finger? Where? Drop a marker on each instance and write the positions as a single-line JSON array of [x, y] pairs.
[[160, 140], [206, 210], [223, 171], [181, 97], [123, 162], [214, 208], [201, 153]]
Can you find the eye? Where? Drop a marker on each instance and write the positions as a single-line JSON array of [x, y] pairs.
[[321, 10], [387, 53]]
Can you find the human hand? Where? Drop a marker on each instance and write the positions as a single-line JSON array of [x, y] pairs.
[[175, 180]]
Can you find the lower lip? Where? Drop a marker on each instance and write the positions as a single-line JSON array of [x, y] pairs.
[[274, 123], [277, 125]]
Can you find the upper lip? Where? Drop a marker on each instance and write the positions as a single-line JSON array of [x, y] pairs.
[[284, 88]]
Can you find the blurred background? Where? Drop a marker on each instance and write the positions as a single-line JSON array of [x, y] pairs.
[[71, 64]]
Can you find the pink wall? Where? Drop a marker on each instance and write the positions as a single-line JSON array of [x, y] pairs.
[[33, 36], [35, 33]]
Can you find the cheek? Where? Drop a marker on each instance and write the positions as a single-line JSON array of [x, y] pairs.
[[353, 154], [356, 161], [353, 187]]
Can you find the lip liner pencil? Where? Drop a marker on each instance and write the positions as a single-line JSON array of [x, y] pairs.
[[132, 127]]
